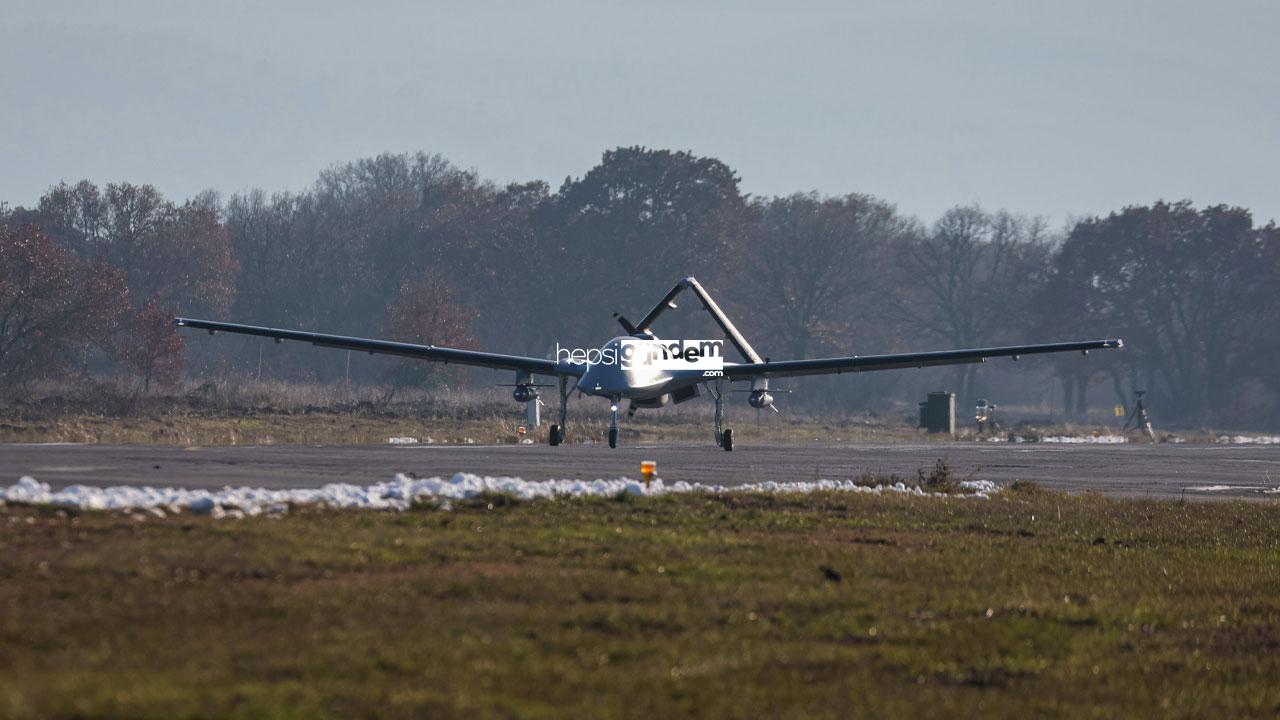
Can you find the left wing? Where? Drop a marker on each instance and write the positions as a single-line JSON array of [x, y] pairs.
[[825, 366], [445, 355]]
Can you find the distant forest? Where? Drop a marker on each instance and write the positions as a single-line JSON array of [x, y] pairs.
[[415, 248]]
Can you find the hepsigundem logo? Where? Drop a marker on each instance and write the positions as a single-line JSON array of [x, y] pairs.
[[632, 353]]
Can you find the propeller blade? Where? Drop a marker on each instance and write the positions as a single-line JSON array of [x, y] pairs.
[[625, 323]]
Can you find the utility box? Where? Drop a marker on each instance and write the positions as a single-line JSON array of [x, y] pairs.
[[938, 413]]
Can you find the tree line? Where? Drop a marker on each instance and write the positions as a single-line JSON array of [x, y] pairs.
[[415, 248]]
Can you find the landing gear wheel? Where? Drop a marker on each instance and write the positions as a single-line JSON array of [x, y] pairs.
[[726, 439], [613, 437], [555, 436]]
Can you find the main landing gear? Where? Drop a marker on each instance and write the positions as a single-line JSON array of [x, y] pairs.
[[724, 435], [555, 435], [613, 423]]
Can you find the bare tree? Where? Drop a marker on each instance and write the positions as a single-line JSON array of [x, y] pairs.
[[816, 266], [969, 280], [149, 343], [178, 255], [426, 310]]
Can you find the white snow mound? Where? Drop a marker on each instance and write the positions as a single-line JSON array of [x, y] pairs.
[[400, 492], [1086, 439], [1247, 440]]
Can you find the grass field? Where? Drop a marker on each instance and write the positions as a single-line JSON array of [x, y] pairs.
[[1031, 604]]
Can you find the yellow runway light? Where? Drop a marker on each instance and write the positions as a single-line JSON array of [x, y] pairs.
[[648, 469]]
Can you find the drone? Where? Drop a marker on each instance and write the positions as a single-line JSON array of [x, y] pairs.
[[651, 372]]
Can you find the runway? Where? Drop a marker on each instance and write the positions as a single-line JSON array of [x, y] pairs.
[[1163, 471]]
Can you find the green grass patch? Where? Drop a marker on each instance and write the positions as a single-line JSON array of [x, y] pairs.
[[1031, 604]]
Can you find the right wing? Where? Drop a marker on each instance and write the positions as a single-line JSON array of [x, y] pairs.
[[445, 355], [868, 363]]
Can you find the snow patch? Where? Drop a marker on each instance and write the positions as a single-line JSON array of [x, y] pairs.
[[402, 491], [402, 441], [1086, 439], [1249, 440], [981, 488]]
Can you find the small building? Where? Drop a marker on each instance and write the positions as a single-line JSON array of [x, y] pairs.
[[938, 412]]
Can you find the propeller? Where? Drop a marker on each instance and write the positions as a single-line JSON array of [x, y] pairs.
[[625, 323]]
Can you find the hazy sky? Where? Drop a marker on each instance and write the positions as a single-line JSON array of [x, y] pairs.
[[1052, 108]]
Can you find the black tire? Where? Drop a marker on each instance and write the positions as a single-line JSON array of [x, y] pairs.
[[554, 436], [613, 437], [726, 440]]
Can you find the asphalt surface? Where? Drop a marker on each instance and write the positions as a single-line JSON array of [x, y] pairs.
[[1168, 471]]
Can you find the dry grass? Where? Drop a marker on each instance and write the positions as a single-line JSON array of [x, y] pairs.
[[1032, 604], [337, 427], [248, 413], [263, 413]]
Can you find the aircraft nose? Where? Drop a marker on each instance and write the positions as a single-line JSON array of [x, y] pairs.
[[588, 379], [597, 380]]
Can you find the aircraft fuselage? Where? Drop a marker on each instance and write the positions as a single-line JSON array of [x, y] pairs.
[[645, 368]]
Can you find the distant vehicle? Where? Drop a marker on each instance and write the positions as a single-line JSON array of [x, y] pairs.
[[648, 371], [984, 413]]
